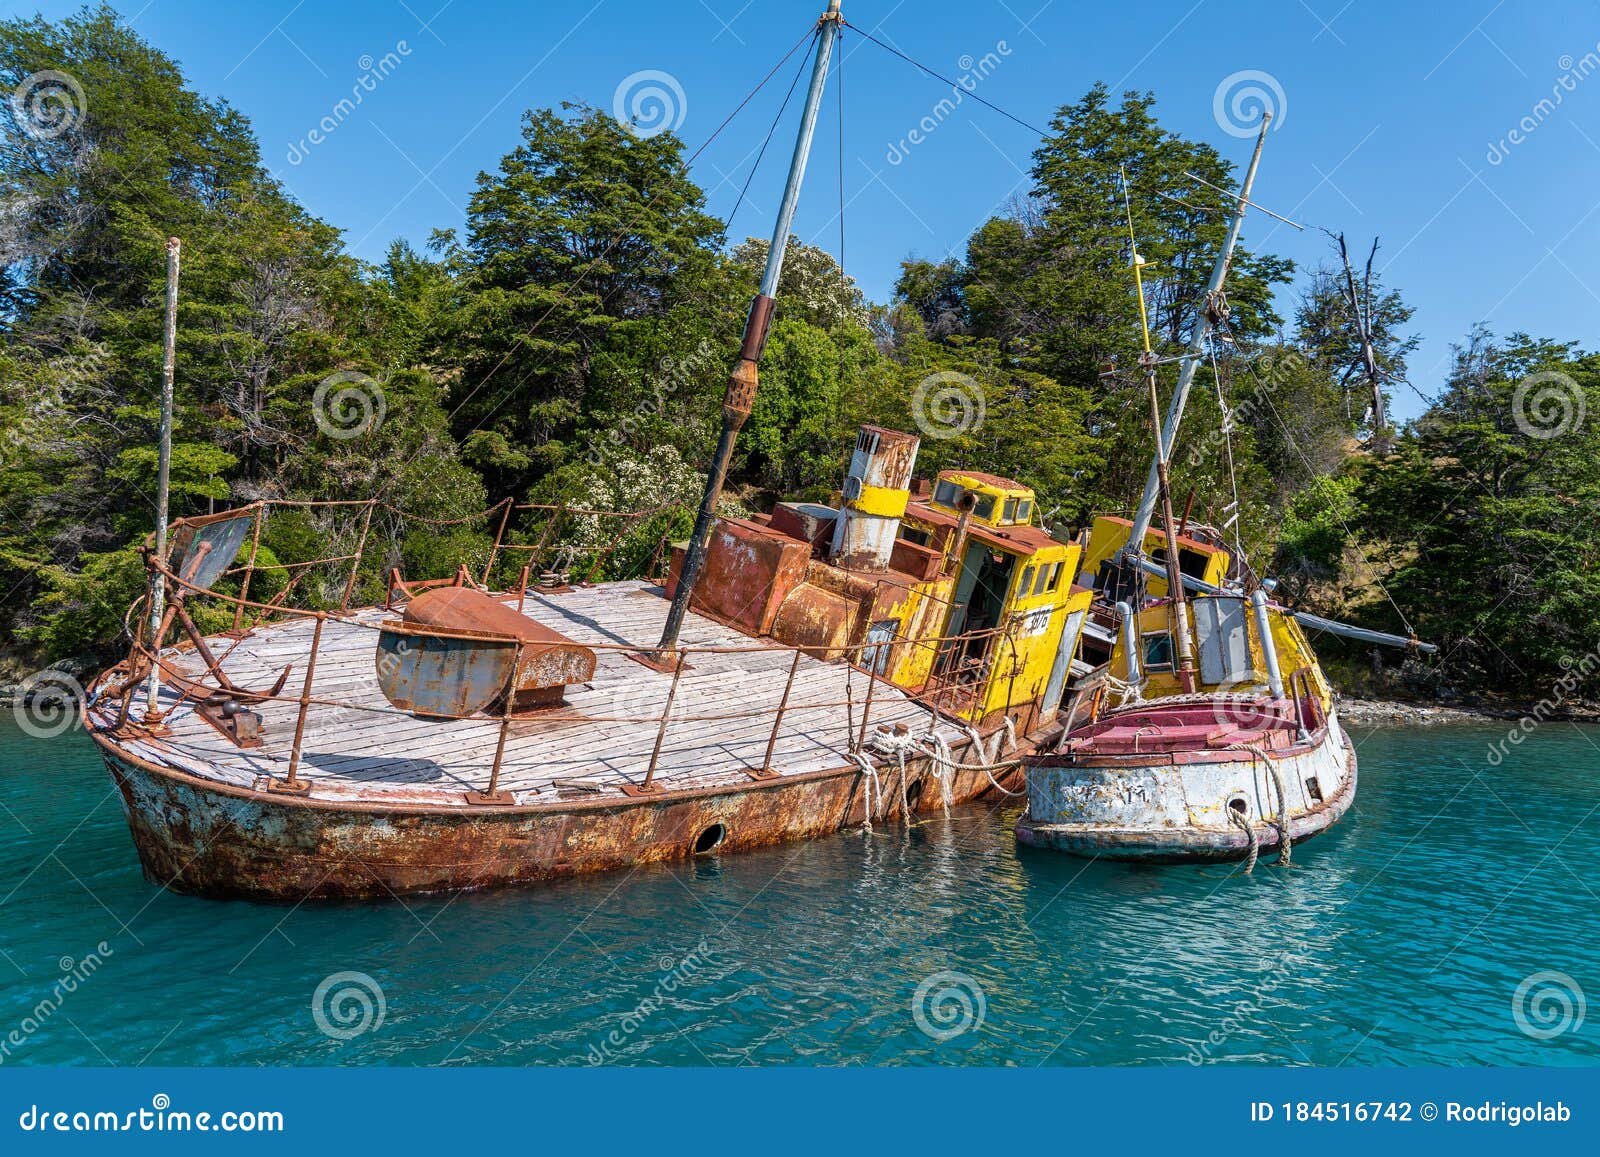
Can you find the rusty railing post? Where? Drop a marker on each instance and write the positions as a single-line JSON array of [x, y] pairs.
[[666, 717], [492, 794], [765, 770], [292, 785], [522, 585], [249, 568], [499, 535], [355, 563], [866, 708]]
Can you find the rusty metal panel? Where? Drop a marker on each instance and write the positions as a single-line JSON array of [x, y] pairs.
[[749, 571], [442, 676], [209, 546]]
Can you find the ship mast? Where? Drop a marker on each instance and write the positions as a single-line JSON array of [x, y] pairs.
[[742, 382], [1156, 488]]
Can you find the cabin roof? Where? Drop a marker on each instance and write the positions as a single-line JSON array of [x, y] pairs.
[[1017, 539]]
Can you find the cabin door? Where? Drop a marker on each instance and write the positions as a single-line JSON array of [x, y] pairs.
[[1221, 631], [880, 645]]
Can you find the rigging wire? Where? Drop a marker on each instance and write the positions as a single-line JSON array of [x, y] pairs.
[[748, 97], [773, 128], [561, 294], [946, 80], [844, 281], [1266, 396]]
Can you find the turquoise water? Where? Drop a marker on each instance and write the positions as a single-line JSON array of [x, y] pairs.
[[1401, 938]]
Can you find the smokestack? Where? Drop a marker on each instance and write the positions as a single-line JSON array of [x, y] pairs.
[[876, 491]]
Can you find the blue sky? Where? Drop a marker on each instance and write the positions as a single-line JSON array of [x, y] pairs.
[[1396, 120]]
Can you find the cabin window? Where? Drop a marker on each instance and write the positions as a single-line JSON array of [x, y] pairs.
[[1008, 513], [1024, 586], [1192, 563], [1043, 581], [914, 536], [947, 494], [1055, 577], [1158, 652], [985, 507], [1024, 509]]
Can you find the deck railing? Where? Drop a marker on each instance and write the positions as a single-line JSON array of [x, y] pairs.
[[949, 681]]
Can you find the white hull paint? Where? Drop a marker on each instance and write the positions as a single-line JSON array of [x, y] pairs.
[[1165, 808]]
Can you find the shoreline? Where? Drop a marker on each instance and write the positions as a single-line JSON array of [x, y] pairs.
[[1404, 713]]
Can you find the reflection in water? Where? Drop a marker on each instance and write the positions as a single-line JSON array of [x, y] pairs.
[[1401, 938]]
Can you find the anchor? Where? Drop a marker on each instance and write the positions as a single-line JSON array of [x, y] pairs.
[[202, 552]]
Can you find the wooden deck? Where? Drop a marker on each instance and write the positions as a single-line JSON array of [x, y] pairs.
[[369, 752]]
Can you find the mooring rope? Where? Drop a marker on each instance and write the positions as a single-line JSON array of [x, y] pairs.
[[869, 776], [1286, 841], [1239, 820]]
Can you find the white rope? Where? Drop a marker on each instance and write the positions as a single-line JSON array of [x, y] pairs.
[[869, 774]]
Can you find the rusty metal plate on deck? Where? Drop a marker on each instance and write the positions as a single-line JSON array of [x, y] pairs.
[[444, 676]]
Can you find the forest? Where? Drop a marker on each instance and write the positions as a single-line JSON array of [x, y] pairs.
[[570, 343]]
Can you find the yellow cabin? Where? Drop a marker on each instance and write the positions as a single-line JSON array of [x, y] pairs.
[[1013, 596]]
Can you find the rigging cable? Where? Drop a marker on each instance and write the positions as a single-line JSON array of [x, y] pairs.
[[1235, 512], [1266, 396], [561, 294], [844, 282], [945, 79], [771, 129]]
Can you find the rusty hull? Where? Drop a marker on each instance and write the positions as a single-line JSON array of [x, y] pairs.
[[217, 840]]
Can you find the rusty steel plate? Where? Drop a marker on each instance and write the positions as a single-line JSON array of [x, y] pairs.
[[442, 676]]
